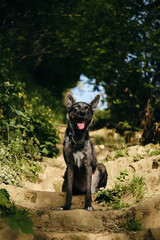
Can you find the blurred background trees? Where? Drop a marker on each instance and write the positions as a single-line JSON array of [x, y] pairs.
[[48, 44]]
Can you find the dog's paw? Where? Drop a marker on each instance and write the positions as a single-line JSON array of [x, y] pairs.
[[89, 208], [63, 208]]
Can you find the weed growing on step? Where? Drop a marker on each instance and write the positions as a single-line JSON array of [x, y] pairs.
[[137, 157], [136, 187], [155, 153], [133, 224], [121, 152], [123, 187], [17, 218], [123, 175], [99, 140]]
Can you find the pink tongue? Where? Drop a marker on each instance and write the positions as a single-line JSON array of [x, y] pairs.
[[80, 125]]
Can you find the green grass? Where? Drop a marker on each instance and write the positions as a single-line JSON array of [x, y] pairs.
[[137, 157], [155, 153], [133, 224], [121, 152], [114, 197]]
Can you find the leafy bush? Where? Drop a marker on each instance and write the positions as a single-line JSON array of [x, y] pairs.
[[17, 218], [27, 129], [16, 161], [113, 197], [21, 119], [101, 119]]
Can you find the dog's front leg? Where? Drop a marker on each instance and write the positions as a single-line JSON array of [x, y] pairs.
[[69, 188], [88, 201], [70, 173]]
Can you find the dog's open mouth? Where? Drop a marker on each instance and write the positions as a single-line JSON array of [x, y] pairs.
[[80, 124]]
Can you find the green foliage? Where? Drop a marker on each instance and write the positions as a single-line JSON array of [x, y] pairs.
[[16, 161], [155, 153], [121, 152], [111, 197], [123, 56], [114, 197], [101, 119], [99, 140], [24, 119], [133, 224], [27, 130], [137, 157], [137, 188], [125, 125], [17, 218], [123, 175]]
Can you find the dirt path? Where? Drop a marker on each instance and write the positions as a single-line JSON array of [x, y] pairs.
[[44, 197]]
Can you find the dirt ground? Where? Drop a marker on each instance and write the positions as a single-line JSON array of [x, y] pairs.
[[43, 197]]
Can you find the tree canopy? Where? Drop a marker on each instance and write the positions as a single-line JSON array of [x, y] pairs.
[[50, 43]]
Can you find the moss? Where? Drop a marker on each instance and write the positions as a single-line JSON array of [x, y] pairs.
[[34, 198]]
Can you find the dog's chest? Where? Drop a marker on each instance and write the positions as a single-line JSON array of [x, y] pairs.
[[78, 158]]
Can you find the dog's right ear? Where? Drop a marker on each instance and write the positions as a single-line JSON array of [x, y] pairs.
[[70, 100]]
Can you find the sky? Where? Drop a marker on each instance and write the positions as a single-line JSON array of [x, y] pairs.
[[85, 92]]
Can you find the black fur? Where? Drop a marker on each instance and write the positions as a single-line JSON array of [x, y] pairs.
[[83, 173]]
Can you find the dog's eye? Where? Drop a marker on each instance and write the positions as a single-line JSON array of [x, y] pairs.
[[86, 108], [75, 110]]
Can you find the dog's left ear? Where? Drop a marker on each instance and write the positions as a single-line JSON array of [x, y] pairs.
[[95, 102], [70, 100]]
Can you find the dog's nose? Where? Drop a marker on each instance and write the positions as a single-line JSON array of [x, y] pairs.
[[82, 112]]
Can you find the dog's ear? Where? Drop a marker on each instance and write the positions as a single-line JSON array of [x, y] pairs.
[[70, 100], [95, 102]]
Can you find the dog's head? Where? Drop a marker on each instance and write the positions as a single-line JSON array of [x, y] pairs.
[[80, 114]]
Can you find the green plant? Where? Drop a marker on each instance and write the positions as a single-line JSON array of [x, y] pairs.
[[101, 119], [28, 119], [99, 140], [136, 187], [16, 162], [137, 157], [123, 175], [17, 218], [111, 197], [114, 197], [27, 131], [125, 125], [155, 153], [133, 224], [121, 152]]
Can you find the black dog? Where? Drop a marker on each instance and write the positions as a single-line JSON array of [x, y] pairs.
[[83, 174]]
